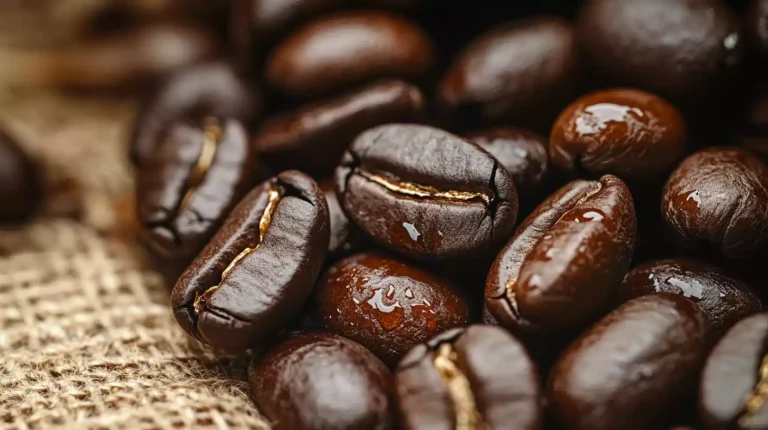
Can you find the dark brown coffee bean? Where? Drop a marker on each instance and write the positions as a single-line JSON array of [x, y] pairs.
[[387, 305], [632, 369], [522, 153], [322, 381], [723, 299], [522, 72], [191, 182], [207, 90], [757, 33], [259, 268], [314, 137], [343, 50], [683, 50], [21, 188], [561, 268], [632, 134], [474, 378], [718, 198], [734, 383], [425, 192], [346, 238]]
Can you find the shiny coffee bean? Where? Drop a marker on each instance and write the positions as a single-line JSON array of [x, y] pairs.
[[344, 50], [522, 72], [387, 305], [632, 134], [207, 90], [561, 268], [313, 138], [259, 268], [632, 369], [474, 378], [426, 193], [322, 381], [683, 50], [734, 383], [522, 153], [723, 299], [718, 198], [346, 238], [191, 182], [21, 188]]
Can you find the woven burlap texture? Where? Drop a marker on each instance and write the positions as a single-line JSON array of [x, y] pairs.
[[87, 339]]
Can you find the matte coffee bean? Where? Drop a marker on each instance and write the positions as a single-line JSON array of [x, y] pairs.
[[564, 263], [632, 369], [314, 137], [207, 90], [344, 50], [426, 193], [724, 300], [521, 72], [632, 134], [21, 188], [522, 153], [718, 198], [322, 381], [474, 378], [190, 183], [387, 305], [683, 50], [259, 268], [346, 238], [733, 389]]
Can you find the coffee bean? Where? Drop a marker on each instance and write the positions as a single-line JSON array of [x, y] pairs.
[[632, 134], [259, 268], [561, 268], [757, 33], [723, 299], [718, 198], [207, 90], [522, 153], [190, 183], [272, 17], [340, 51], [522, 72], [346, 238], [387, 305], [21, 188], [425, 192], [314, 137], [683, 50], [322, 381], [632, 369], [474, 378], [733, 386]]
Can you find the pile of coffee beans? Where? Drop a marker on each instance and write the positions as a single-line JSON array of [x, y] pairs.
[[425, 215]]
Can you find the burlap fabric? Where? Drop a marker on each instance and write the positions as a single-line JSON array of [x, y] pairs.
[[87, 340]]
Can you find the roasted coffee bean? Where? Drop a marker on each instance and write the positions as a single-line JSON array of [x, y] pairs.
[[340, 51], [718, 198], [523, 72], [561, 268], [322, 381], [683, 50], [723, 299], [191, 182], [259, 268], [522, 153], [734, 383], [314, 137], [632, 134], [474, 378], [346, 238], [425, 192], [207, 90], [21, 189], [757, 33], [387, 305], [630, 370]]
